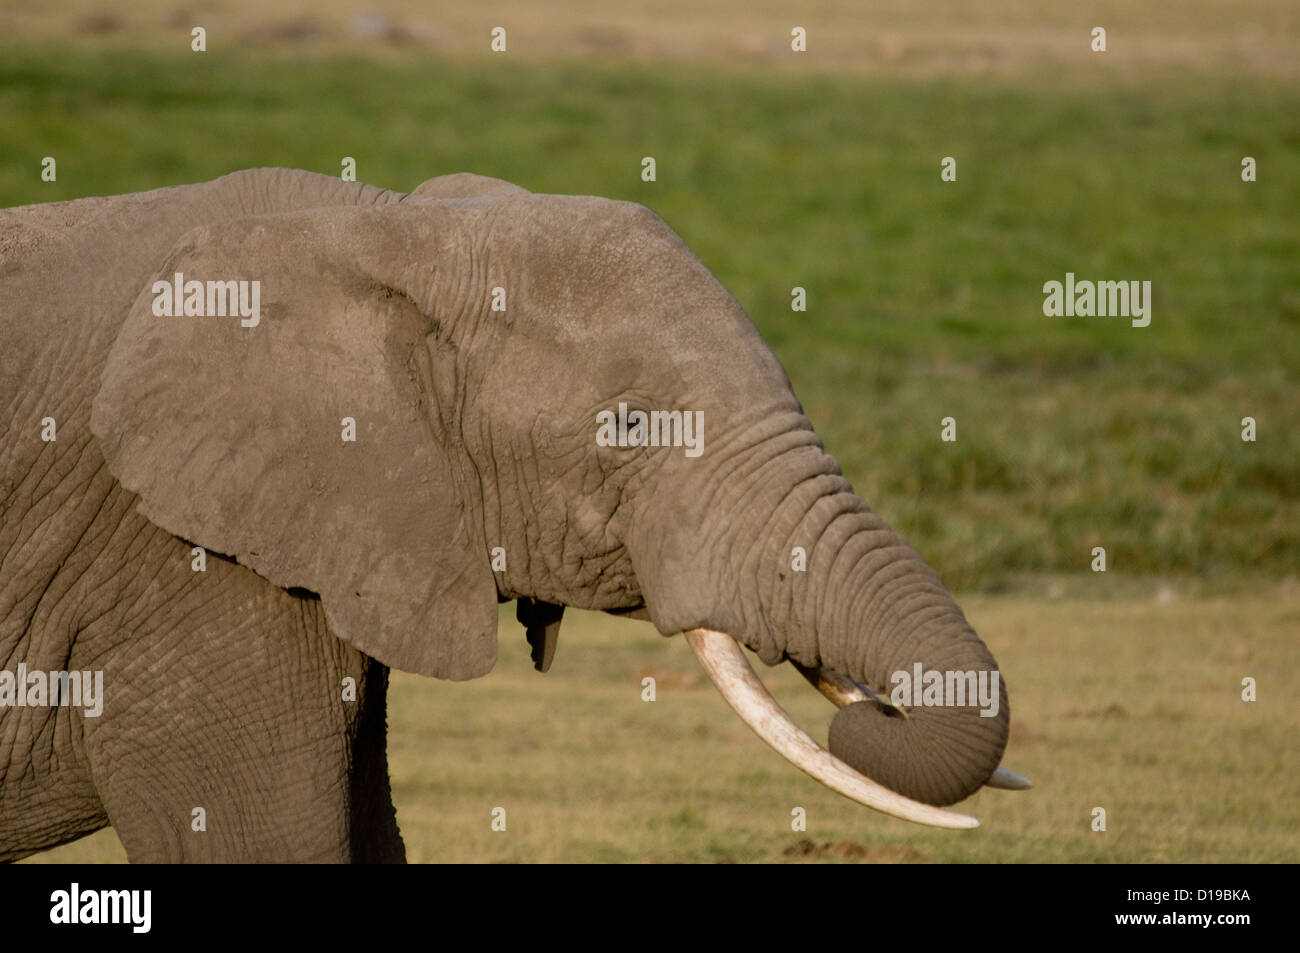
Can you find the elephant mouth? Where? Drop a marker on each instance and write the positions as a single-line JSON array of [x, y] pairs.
[[724, 661]]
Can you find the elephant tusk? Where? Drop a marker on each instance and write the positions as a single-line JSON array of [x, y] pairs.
[[1008, 781], [724, 661], [842, 691]]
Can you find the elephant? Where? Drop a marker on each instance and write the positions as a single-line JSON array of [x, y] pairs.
[[268, 436]]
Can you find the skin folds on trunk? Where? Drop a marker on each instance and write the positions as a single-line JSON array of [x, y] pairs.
[[877, 611], [886, 612], [864, 604]]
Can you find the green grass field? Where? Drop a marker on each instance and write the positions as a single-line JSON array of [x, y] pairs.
[[924, 298], [924, 301]]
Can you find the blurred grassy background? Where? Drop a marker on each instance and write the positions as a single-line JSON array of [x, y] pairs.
[[924, 301], [924, 298]]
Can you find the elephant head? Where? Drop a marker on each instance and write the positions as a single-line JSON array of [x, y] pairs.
[[480, 341]]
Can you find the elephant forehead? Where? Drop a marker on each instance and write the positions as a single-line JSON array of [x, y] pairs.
[[466, 185]]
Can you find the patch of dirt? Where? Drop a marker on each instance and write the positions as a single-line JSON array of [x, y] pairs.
[[103, 21], [856, 853]]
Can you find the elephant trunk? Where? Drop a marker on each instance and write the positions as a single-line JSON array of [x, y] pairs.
[[872, 610], [888, 622], [802, 570]]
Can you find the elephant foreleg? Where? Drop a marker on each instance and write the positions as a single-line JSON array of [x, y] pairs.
[[241, 730]]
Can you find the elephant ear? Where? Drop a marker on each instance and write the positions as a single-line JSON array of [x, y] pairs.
[[235, 437]]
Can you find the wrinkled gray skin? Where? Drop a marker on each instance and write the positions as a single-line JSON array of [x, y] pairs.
[[475, 429]]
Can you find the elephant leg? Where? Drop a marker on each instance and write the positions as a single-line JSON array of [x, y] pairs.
[[231, 731]]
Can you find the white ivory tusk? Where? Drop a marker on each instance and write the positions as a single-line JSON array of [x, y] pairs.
[[840, 689], [724, 661], [1008, 781]]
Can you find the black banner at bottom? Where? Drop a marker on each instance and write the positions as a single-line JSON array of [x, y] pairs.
[[867, 904]]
